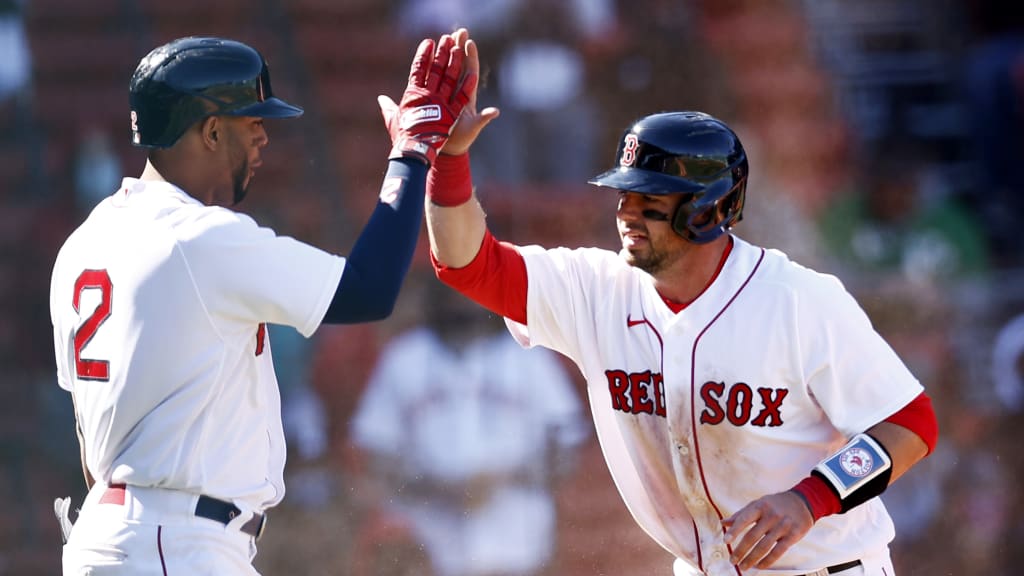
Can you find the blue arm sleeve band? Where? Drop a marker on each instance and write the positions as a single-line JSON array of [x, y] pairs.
[[383, 252]]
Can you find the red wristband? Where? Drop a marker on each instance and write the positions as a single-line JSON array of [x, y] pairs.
[[449, 182], [819, 496]]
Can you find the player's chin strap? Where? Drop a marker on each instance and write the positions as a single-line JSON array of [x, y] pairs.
[[851, 476], [62, 509]]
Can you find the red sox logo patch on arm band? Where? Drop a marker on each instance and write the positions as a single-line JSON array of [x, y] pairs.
[[855, 465]]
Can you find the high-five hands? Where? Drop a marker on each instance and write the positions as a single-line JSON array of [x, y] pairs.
[[471, 122], [439, 88]]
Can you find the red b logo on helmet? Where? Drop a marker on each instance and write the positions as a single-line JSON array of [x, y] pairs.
[[629, 146]]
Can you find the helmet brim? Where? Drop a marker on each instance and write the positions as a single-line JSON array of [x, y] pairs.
[[644, 181], [269, 108]]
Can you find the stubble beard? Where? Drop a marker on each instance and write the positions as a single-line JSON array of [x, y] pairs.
[[651, 261], [240, 183]]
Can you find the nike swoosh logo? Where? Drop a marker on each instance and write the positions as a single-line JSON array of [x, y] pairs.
[[630, 322]]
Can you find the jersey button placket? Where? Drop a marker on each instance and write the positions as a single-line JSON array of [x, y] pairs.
[[709, 532], [719, 565]]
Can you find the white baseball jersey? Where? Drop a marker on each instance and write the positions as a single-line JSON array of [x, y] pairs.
[[736, 397], [159, 306]]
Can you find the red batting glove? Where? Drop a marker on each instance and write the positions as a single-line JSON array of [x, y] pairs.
[[435, 96]]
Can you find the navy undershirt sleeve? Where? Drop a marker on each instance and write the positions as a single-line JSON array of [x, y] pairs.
[[380, 259]]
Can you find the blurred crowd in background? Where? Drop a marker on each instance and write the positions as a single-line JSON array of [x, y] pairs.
[[886, 141]]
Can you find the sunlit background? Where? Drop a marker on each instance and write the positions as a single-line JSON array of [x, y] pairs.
[[886, 140]]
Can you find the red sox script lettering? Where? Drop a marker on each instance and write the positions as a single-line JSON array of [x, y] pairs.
[[636, 393], [644, 393], [739, 404]]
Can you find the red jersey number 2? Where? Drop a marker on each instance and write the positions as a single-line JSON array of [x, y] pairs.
[[97, 280]]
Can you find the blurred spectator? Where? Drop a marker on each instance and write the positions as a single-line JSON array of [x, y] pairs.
[[1008, 364], [994, 86], [97, 169], [16, 63], [901, 222], [467, 433], [550, 118], [980, 496], [666, 62]]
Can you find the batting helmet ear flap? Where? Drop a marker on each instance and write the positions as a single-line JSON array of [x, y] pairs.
[[704, 217]]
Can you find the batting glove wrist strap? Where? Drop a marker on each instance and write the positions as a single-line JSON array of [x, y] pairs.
[[857, 472], [413, 148], [437, 92]]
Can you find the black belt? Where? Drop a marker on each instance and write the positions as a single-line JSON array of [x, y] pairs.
[[225, 512], [840, 567], [206, 507]]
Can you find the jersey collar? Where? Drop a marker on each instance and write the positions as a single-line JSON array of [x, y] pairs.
[[132, 190]]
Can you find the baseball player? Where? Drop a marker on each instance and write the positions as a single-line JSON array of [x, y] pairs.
[[161, 298], [749, 413]]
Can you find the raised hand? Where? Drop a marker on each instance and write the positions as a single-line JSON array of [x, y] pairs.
[[469, 125], [439, 88]]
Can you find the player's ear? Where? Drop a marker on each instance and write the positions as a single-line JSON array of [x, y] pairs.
[[209, 129]]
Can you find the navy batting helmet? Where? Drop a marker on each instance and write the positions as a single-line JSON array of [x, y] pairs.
[[189, 79], [688, 153]]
